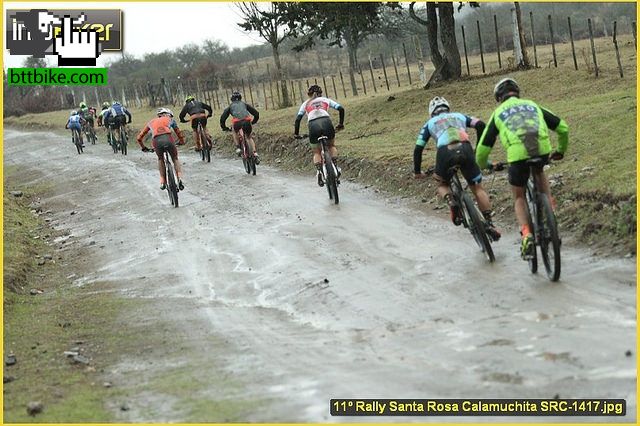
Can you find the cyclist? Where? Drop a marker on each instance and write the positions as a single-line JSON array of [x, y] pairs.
[[449, 130], [116, 116], [88, 113], [243, 116], [162, 140], [105, 121], [523, 127], [75, 122], [196, 111], [319, 122]]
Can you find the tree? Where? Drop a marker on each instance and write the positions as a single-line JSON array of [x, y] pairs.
[[524, 62], [349, 23], [447, 64], [270, 22], [33, 62]]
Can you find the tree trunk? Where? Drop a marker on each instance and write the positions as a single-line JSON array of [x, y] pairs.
[[523, 41], [286, 102], [432, 35], [352, 49], [453, 68]]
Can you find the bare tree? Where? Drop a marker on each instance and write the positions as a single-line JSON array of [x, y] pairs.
[[270, 20], [523, 41]]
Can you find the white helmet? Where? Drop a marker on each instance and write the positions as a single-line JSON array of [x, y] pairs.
[[436, 104], [164, 110]]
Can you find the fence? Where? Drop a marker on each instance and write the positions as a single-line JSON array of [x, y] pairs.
[[385, 71]]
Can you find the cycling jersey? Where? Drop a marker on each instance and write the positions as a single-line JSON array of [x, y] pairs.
[[160, 126], [523, 127], [317, 107], [446, 128], [194, 108], [239, 111], [74, 122], [116, 111]]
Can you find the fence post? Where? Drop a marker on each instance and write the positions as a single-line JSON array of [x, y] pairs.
[[593, 47], [406, 61], [395, 67], [553, 43], [264, 93], [464, 44], [533, 40], [302, 91], [333, 81], [481, 49], [384, 69], [633, 31], [344, 91], [495, 24], [152, 100], [273, 100], [324, 82], [615, 43], [364, 87], [573, 49], [215, 95], [293, 92], [373, 80]]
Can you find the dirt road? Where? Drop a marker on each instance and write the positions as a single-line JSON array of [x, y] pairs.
[[298, 301]]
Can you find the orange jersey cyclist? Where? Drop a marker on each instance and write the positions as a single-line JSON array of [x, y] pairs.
[[243, 116], [198, 115], [162, 140], [319, 121]]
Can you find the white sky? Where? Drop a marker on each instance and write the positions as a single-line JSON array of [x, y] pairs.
[[155, 26]]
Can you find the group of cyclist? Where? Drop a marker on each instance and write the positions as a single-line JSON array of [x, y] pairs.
[[522, 125]]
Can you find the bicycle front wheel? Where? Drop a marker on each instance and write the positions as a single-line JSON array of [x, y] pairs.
[[548, 238], [532, 210], [476, 227]]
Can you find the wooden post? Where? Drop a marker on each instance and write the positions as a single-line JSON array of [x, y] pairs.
[[302, 91], [464, 44], [395, 67], [333, 80], [273, 99], [364, 87], [324, 83], [293, 92], [215, 94], [633, 31], [593, 47], [553, 43], [406, 61], [495, 24], [481, 49], [343, 88], [573, 48], [373, 80], [384, 69], [533, 40], [264, 93], [615, 44]]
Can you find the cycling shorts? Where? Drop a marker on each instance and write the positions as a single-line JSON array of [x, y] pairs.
[[245, 125], [201, 120], [321, 127], [162, 143], [457, 154], [519, 171]]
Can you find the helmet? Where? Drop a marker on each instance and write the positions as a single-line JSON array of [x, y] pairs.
[[83, 105], [116, 103], [106, 105], [437, 104], [236, 96], [314, 89], [189, 98], [74, 112], [504, 87], [161, 111]]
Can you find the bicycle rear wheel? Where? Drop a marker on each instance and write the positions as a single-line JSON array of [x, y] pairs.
[[123, 141], [172, 187], [476, 227], [245, 156], [76, 140], [548, 238], [331, 177], [204, 142], [532, 210]]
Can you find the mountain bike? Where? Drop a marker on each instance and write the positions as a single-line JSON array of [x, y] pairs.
[[469, 214], [205, 152], [113, 141], [172, 186], [90, 133], [123, 140], [75, 135], [328, 171], [248, 160], [542, 223]]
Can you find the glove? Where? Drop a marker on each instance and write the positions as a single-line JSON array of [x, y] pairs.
[[339, 127], [129, 122], [254, 122], [210, 115], [226, 129], [145, 149], [182, 120], [556, 156]]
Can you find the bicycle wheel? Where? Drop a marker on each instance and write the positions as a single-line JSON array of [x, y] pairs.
[[245, 156], [76, 140], [123, 141], [548, 238], [332, 178], [531, 214], [204, 142], [476, 226], [172, 187]]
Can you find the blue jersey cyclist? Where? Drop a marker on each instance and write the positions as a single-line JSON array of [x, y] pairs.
[[75, 122], [117, 115], [449, 130]]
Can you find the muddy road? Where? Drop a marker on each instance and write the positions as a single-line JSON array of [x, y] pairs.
[[299, 301]]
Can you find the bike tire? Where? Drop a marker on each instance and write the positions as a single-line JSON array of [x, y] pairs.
[[548, 238], [245, 156], [172, 187], [531, 213], [123, 139], [477, 227], [76, 139], [332, 178], [252, 164]]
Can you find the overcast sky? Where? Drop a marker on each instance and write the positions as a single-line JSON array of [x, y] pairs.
[[154, 27]]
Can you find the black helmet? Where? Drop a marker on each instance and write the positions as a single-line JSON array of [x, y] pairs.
[[314, 89], [504, 87], [236, 96]]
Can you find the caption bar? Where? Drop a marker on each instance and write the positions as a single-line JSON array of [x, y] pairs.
[[478, 407]]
